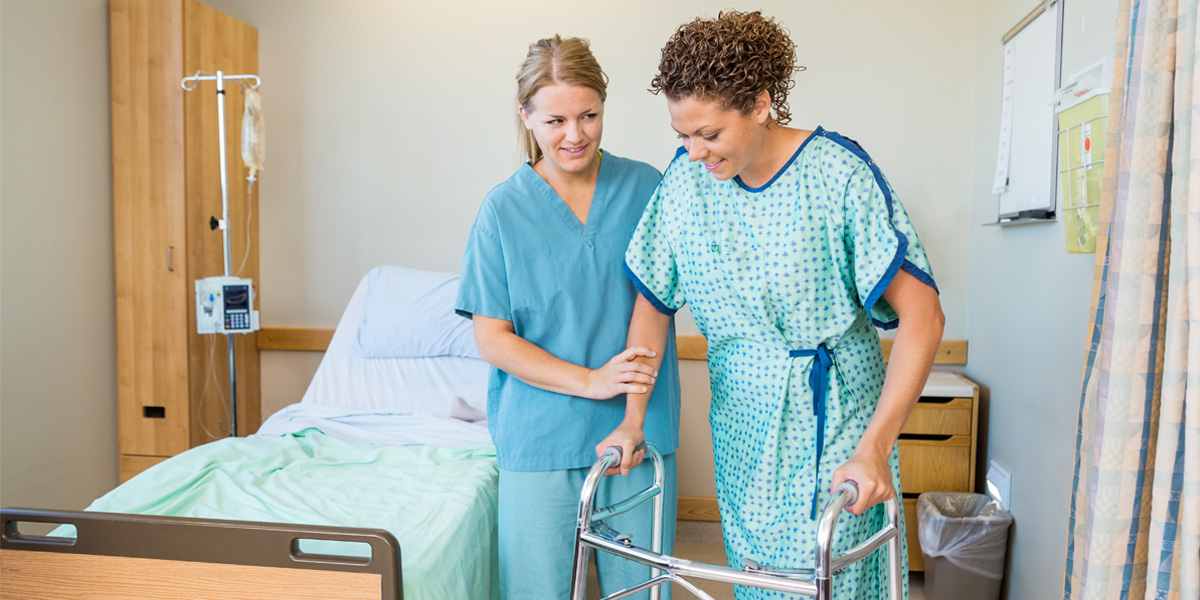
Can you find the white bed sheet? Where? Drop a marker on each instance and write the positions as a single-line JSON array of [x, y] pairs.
[[374, 426]]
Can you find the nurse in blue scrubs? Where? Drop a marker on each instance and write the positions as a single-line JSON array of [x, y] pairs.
[[543, 282]]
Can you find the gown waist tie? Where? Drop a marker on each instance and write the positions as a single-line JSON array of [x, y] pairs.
[[818, 380]]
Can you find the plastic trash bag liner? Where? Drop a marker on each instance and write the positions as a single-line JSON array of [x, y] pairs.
[[969, 530]]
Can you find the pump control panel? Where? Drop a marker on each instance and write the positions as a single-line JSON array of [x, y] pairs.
[[225, 305]]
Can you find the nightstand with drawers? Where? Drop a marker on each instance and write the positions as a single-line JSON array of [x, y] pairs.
[[937, 447]]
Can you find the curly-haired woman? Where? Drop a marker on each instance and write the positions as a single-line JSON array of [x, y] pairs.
[[791, 248]]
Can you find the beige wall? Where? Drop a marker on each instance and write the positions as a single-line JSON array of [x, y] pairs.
[[58, 424], [389, 121]]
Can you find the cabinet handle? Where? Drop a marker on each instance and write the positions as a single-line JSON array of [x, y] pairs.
[[170, 251], [926, 437], [936, 400]]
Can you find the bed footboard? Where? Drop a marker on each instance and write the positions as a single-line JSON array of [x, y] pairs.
[[142, 556]]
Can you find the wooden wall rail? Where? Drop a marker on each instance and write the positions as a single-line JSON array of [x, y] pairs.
[[294, 338], [691, 347]]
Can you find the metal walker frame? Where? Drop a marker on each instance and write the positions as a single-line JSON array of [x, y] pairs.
[[593, 532]]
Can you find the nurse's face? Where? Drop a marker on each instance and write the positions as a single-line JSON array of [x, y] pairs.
[[566, 120], [726, 140]]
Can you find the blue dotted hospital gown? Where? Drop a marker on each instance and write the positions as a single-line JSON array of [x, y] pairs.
[[785, 282]]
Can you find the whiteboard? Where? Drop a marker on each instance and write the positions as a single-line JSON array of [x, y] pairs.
[[1031, 169]]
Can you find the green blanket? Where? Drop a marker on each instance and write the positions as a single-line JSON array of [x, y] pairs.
[[440, 503]]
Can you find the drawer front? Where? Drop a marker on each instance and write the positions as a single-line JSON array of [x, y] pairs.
[[940, 416], [916, 562], [941, 465], [131, 465]]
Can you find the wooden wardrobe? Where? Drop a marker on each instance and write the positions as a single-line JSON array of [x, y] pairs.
[[173, 384]]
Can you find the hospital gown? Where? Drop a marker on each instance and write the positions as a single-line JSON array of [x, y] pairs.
[[785, 281]]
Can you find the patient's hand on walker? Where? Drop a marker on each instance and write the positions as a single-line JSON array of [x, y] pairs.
[[621, 375], [871, 472], [626, 437]]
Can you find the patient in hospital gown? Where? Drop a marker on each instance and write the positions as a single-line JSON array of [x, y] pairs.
[[791, 248]]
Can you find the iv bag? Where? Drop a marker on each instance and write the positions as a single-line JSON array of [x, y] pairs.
[[253, 133]]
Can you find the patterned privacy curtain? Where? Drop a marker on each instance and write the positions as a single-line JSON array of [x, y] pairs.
[[1135, 505]]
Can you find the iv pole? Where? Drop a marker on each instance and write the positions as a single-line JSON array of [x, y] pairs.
[[221, 78]]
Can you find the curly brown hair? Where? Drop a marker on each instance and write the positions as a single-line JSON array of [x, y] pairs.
[[730, 59]]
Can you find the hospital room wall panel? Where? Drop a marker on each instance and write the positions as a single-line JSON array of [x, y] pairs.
[[694, 459], [1028, 320], [285, 377], [58, 382]]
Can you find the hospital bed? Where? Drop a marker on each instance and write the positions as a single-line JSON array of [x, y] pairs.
[[389, 442]]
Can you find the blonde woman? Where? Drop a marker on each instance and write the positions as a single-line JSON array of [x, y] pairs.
[[543, 282]]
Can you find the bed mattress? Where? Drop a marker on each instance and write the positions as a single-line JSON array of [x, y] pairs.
[[439, 502]]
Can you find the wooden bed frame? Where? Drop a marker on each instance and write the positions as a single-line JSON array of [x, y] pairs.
[[141, 556]]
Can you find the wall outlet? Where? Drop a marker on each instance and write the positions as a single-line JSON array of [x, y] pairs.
[[999, 484]]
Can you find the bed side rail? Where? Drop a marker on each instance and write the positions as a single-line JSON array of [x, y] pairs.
[[335, 559]]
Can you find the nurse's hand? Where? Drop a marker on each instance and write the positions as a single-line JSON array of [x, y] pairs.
[[626, 437], [621, 375], [871, 472]]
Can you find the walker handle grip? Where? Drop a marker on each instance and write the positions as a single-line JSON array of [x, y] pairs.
[[616, 451], [850, 488]]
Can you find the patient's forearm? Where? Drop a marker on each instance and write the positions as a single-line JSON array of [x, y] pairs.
[[648, 328], [917, 338]]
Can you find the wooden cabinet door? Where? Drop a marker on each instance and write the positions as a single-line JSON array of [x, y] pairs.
[[148, 227]]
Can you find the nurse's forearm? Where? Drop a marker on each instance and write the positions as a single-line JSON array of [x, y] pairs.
[[501, 347], [648, 328]]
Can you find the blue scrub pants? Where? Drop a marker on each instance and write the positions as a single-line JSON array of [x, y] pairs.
[[538, 515]]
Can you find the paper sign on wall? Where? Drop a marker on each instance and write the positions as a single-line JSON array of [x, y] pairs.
[[1082, 122]]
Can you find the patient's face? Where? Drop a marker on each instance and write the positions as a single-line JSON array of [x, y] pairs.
[[566, 120], [725, 140]]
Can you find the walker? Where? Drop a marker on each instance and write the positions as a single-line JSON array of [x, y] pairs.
[[593, 532]]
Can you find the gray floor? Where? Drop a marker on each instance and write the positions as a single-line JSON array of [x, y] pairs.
[[701, 542]]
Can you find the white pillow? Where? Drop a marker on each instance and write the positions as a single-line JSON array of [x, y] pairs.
[[425, 385], [410, 314]]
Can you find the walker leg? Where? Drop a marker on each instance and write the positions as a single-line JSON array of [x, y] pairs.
[[896, 584], [659, 508], [579, 579], [824, 588]]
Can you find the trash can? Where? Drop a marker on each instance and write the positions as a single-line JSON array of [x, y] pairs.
[[963, 538]]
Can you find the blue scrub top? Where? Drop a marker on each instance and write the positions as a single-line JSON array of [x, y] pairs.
[[562, 284]]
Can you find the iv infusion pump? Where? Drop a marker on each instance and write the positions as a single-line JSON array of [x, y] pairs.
[[225, 305]]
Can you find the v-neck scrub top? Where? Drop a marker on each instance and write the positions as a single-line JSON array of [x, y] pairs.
[[560, 282], [785, 281]]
